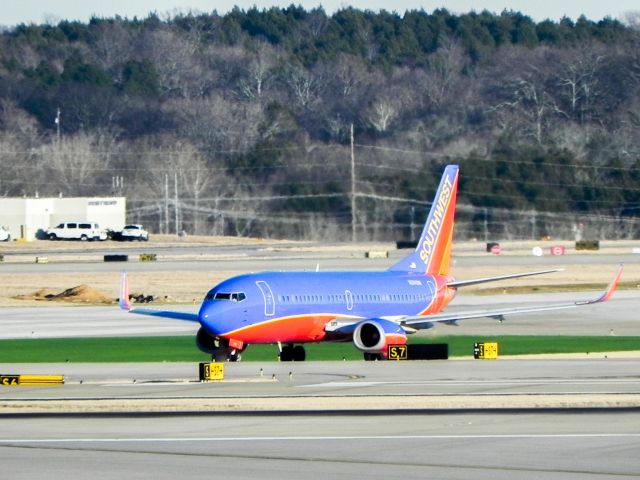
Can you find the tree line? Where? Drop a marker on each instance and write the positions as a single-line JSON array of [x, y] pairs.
[[240, 123]]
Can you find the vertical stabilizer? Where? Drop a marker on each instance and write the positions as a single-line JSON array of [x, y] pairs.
[[433, 252]]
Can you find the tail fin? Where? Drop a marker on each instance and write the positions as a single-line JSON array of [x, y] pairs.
[[433, 252]]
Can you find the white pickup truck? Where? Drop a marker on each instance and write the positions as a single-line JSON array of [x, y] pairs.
[[76, 231]]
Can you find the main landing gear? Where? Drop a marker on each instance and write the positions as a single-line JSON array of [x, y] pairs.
[[372, 357], [227, 355], [291, 353]]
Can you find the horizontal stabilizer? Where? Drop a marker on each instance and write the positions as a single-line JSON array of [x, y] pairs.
[[500, 313], [476, 281]]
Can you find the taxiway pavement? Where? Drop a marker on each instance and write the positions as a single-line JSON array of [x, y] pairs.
[[563, 445], [503, 383]]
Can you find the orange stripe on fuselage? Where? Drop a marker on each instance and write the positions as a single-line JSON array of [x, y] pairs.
[[298, 328]]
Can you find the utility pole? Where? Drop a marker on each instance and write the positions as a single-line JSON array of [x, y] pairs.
[[412, 227], [533, 224], [353, 190], [57, 121], [177, 205], [486, 225], [166, 203]]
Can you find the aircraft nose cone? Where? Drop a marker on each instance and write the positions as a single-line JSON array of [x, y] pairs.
[[211, 317]]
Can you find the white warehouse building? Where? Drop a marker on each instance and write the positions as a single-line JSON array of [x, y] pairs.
[[24, 217]]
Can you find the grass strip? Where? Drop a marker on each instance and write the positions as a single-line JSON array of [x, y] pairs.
[[183, 349]]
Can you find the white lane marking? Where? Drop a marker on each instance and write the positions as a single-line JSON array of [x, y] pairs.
[[542, 381], [147, 383], [318, 438]]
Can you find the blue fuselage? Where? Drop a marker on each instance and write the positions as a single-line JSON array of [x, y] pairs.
[[296, 306]]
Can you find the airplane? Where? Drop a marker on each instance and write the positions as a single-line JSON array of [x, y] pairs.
[[371, 309]]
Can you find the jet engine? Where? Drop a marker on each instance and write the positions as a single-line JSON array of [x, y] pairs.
[[206, 342], [218, 348], [373, 336]]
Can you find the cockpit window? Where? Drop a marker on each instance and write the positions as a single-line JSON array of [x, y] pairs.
[[234, 297]]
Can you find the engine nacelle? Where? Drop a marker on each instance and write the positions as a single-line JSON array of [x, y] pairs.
[[373, 336], [206, 342], [218, 348]]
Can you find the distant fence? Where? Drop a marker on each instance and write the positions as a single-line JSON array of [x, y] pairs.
[[379, 221]]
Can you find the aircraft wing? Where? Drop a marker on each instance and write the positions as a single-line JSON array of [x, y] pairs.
[[425, 321], [125, 304]]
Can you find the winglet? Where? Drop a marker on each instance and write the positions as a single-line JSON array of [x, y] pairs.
[[608, 293], [123, 299]]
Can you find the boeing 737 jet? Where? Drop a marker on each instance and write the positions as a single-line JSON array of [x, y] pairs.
[[371, 309]]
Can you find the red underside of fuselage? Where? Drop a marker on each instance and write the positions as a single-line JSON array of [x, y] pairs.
[[294, 329]]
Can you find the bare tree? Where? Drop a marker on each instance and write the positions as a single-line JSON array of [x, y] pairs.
[[524, 97], [176, 58], [577, 75], [112, 45], [348, 74], [218, 124], [305, 86], [18, 124], [382, 112], [258, 71], [348, 81], [77, 165], [194, 178], [444, 72]]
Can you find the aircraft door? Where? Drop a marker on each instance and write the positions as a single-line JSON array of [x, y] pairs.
[[269, 301], [431, 286], [349, 298], [432, 292]]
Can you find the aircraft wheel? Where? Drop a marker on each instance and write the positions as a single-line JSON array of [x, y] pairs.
[[370, 357], [286, 355], [299, 354], [220, 357]]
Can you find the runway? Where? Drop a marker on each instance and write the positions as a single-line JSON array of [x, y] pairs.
[[524, 445]]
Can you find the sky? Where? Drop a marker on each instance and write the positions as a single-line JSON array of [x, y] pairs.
[[14, 12]]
